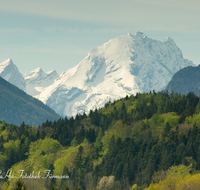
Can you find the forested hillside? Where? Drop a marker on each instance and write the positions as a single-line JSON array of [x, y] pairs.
[[128, 144]]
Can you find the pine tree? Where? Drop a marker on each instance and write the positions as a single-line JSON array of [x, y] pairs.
[[76, 187], [19, 185]]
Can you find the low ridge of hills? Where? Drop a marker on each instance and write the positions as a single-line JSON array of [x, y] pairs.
[[17, 106], [185, 80]]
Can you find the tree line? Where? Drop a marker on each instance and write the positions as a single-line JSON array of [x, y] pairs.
[[157, 130]]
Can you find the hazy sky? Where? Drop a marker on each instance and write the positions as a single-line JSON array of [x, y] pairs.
[[58, 34]]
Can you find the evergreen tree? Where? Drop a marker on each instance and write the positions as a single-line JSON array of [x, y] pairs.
[[19, 185]]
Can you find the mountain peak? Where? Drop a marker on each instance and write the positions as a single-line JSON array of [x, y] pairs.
[[168, 39], [123, 66], [129, 34], [9, 71], [139, 34], [39, 69], [7, 62], [52, 72], [37, 80], [34, 73]]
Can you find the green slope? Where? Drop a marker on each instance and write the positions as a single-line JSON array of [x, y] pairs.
[[127, 144]]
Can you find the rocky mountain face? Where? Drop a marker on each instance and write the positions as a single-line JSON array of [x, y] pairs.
[[185, 80], [123, 66]]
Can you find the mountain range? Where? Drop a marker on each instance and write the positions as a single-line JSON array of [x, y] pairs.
[[123, 66], [10, 72]]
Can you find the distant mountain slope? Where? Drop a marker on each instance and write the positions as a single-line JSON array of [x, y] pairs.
[[185, 80], [9, 72], [16, 106], [123, 66]]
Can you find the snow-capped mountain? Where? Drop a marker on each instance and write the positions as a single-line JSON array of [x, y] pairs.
[[9, 71], [37, 80], [123, 66], [32, 83]]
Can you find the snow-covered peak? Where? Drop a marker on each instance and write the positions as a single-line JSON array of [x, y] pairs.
[[51, 72], [7, 61], [122, 66], [116, 46], [10, 72], [121, 45], [5, 64], [169, 41], [37, 80], [38, 70], [139, 34], [34, 74]]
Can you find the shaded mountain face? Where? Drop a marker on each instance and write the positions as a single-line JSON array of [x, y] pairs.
[[10, 72], [185, 80], [123, 66], [17, 106]]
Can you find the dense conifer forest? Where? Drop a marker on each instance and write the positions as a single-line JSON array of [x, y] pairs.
[[136, 142]]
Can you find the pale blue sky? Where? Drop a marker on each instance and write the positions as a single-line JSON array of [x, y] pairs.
[[58, 34]]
